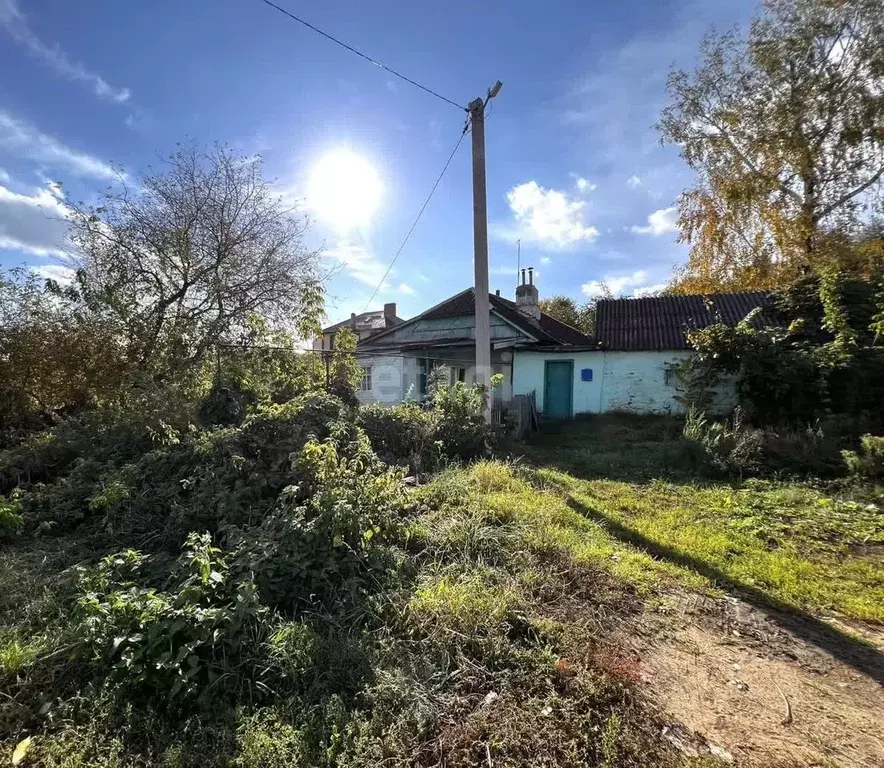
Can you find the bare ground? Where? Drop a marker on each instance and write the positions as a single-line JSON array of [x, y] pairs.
[[758, 688]]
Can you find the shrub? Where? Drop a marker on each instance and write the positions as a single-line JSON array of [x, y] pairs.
[[199, 482], [730, 446], [11, 521], [461, 428], [402, 434], [224, 406], [868, 462], [189, 640], [324, 540]]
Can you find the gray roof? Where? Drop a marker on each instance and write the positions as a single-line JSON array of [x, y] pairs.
[[660, 322]]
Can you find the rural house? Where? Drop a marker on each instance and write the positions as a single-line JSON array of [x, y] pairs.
[[363, 325], [628, 366]]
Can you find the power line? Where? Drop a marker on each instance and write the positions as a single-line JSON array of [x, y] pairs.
[[362, 55], [420, 213]]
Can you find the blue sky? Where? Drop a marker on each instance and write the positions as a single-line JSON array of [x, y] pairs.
[[575, 168]]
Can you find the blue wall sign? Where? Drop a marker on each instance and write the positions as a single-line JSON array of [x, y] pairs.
[[586, 374]]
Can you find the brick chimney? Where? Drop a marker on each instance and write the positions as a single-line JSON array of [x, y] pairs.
[[527, 297], [390, 314]]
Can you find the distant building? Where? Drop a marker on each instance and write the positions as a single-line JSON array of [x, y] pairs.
[[364, 326], [630, 365]]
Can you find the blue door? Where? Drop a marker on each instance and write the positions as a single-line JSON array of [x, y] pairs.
[[558, 388]]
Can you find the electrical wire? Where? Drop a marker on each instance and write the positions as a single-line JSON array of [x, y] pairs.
[[420, 213], [362, 55]]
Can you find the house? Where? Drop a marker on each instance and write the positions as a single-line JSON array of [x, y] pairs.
[[630, 365], [633, 362], [363, 326]]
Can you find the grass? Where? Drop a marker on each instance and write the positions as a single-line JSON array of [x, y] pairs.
[[494, 640], [811, 548]]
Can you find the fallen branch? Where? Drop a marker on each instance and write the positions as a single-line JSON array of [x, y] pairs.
[[787, 720]]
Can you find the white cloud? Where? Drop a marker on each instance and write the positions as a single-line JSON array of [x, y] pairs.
[[660, 222], [35, 224], [546, 260], [16, 25], [5, 178], [583, 185], [548, 217], [649, 290], [406, 289], [58, 272], [634, 182], [620, 285], [24, 139], [358, 262]]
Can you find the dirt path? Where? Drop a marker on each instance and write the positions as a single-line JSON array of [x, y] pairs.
[[737, 682]]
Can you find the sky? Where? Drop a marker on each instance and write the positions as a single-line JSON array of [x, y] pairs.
[[575, 169]]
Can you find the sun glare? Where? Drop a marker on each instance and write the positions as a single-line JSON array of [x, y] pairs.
[[344, 190]]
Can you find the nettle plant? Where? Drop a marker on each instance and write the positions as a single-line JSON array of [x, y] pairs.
[[191, 639]]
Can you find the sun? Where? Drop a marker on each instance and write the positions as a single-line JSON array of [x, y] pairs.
[[344, 189]]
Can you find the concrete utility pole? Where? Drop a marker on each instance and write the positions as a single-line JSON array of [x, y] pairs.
[[480, 243]]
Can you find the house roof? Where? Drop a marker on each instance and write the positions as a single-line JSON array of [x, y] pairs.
[[366, 321], [660, 322], [547, 331]]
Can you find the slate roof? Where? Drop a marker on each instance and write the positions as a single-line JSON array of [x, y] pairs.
[[373, 321], [548, 331], [660, 322]]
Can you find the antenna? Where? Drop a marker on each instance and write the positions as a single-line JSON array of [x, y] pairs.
[[518, 260]]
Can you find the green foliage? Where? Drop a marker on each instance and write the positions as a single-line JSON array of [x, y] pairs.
[[58, 357], [344, 372], [817, 355], [868, 462], [566, 310], [325, 538], [188, 640], [735, 447], [402, 434], [461, 429], [11, 521], [452, 427], [728, 446], [162, 489]]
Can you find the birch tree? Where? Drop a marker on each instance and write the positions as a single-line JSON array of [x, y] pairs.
[[784, 130]]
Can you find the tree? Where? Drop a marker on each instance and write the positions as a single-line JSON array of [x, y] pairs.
[[568, 311], [185, 260], [785, 133], [55, 356], [345, 373]]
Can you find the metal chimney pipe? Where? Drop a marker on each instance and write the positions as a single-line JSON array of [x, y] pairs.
[[530, 275], [523, 277]]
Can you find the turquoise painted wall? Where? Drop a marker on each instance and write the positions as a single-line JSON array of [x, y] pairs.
[[528, 371], [622, 381]]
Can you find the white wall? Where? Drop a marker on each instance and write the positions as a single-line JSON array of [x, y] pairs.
[[622, 381], [387, 375]]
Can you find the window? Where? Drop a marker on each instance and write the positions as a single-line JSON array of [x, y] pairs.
[[365, 384], [457, 374], [670, 375]]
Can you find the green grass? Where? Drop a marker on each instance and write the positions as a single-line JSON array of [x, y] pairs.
[[490, 633], [814, 549]]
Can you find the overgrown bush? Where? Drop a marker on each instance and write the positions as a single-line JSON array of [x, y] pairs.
[[325, 539], [461, 430], [189, 639], [868, 462], [186, 482], [11, 521], [729, 446], [735, 447], [402, 434]]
